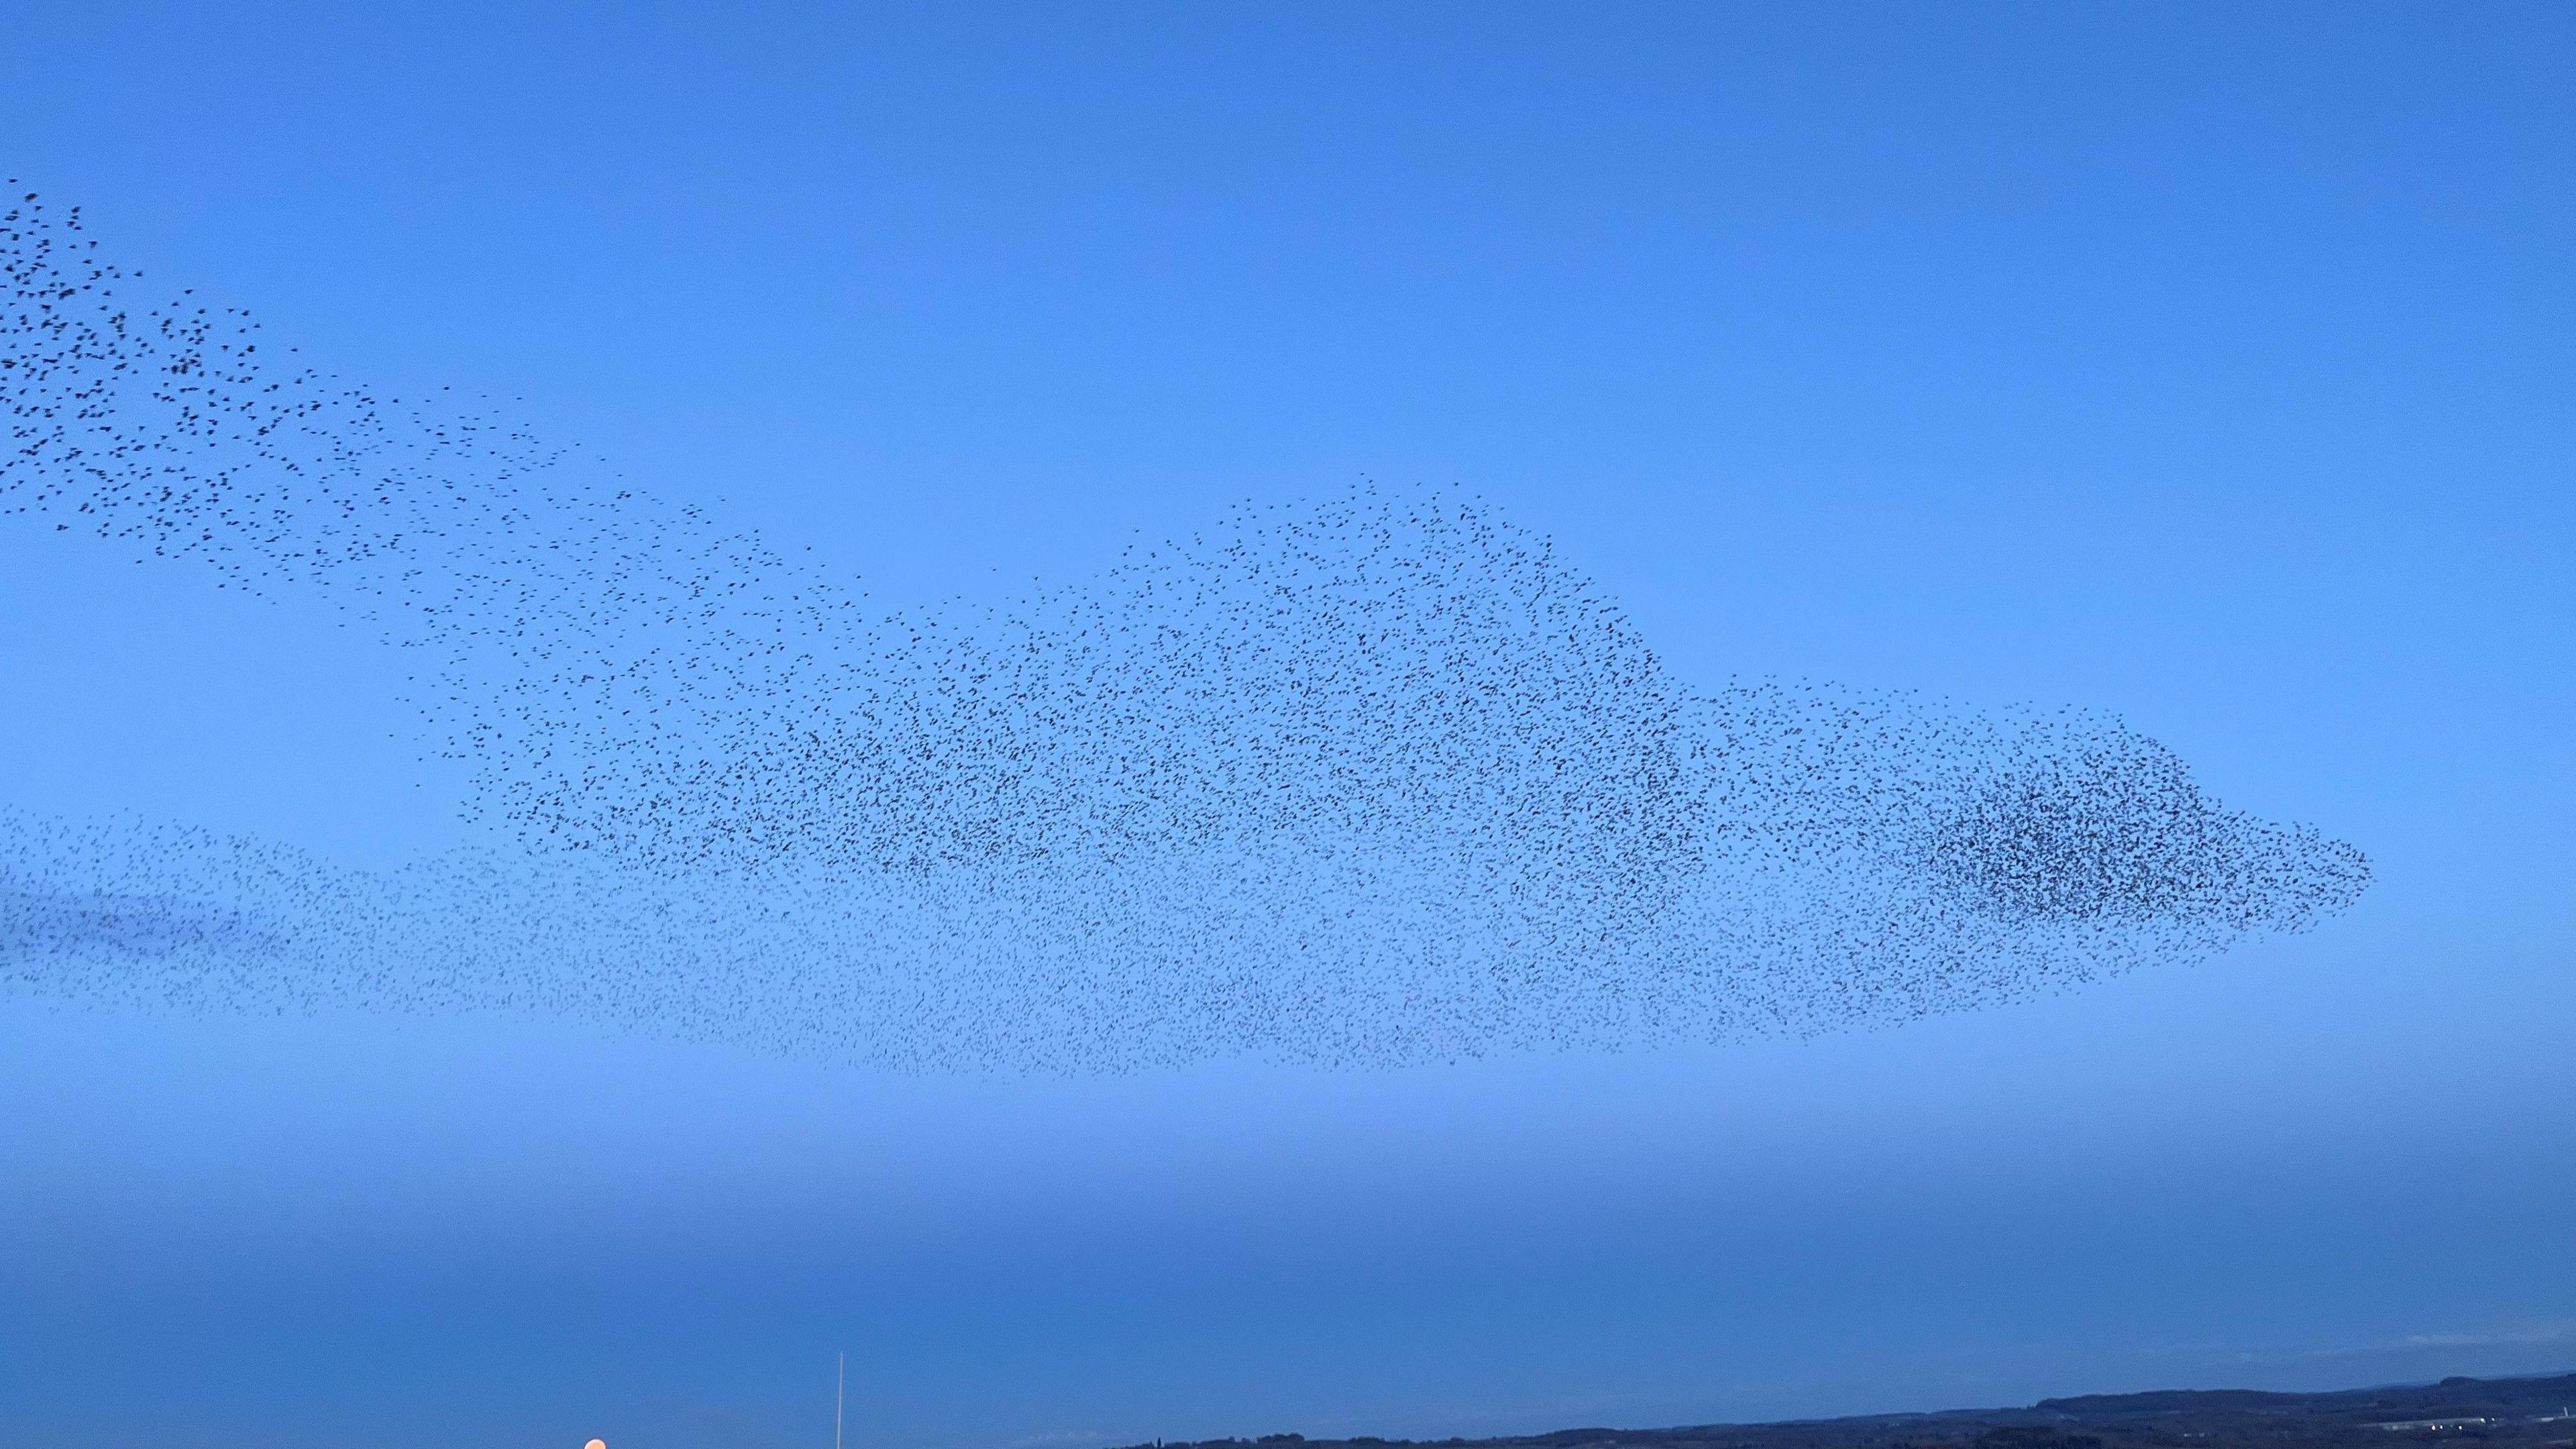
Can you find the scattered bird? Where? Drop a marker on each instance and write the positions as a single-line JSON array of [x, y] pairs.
[[1368, 780]]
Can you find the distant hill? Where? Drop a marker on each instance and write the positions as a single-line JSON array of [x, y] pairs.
[[2519, 1412]]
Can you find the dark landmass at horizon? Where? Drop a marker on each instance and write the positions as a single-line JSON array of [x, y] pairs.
[[2519, 1411]]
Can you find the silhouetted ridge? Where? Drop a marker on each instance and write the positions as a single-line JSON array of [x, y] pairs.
[[2519, 1411]]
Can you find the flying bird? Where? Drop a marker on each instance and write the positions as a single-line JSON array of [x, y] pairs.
[[1367, 779]]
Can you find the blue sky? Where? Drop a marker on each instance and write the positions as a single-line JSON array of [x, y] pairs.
[[2208, 365]]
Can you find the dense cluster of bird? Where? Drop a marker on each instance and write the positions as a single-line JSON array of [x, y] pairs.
[[1371, 780]]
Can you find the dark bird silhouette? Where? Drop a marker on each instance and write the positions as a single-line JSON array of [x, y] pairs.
[[1370, 779]]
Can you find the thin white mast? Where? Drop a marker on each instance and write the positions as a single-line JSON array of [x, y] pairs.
[[840, 1381]]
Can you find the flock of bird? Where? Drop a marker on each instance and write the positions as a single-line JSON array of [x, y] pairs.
[[1366, 781]]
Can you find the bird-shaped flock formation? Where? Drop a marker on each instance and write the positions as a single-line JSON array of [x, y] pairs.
[[1374, 780]]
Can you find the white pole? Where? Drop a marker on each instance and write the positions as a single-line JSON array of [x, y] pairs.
[[840, 1381]]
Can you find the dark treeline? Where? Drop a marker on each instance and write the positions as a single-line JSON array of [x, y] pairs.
[[2515, 1411]]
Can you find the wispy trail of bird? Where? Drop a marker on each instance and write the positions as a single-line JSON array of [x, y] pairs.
[[1367, 780]]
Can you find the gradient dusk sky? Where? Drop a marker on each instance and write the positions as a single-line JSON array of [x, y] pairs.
[[2212, 365]]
